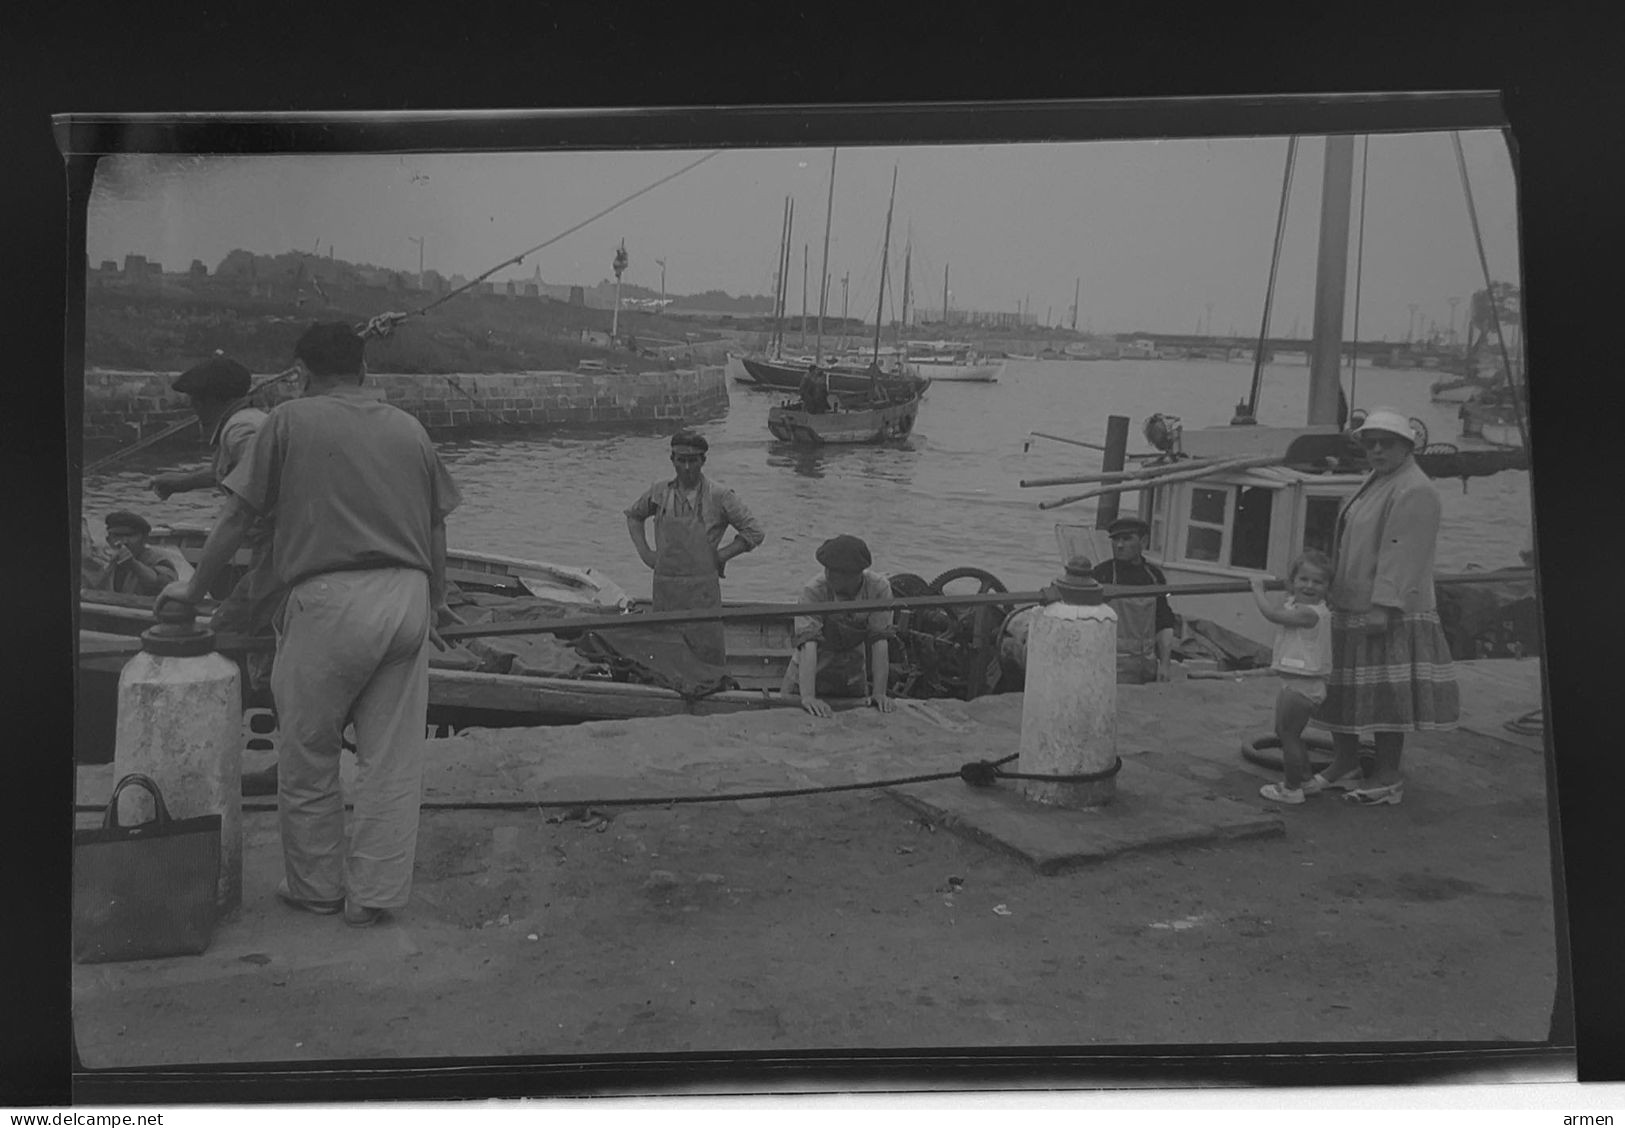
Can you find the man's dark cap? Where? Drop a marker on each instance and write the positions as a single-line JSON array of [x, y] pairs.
[[331, 348], [844, 554], [1128, 525], [688, 439], [219, 378], [124, 519]]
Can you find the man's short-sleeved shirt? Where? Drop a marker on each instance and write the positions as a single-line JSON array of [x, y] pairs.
[[351, 483], [231, 438]]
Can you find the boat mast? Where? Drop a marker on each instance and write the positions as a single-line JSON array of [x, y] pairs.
[[823, 291], [908, 256], [945, 298], [781, 290], [1331, 278], [880, 306], [1076, 287]]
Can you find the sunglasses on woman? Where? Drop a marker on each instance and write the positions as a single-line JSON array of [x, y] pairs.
[[1379, 442]]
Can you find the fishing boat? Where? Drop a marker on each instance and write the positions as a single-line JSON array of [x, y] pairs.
[[844, 376], [951, 362], [939, 653], [1021, 356], [1254, 497], [878, 414]]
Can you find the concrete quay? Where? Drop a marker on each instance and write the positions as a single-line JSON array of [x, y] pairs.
[[853, 920]]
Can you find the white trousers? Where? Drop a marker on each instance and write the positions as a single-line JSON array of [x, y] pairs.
[[353, 646]]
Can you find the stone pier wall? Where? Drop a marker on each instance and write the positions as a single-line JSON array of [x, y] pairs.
[[121, 407]]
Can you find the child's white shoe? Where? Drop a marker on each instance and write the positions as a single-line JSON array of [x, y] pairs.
[[1280, 793]]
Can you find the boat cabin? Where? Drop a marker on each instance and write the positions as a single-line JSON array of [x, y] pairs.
[[1236, 524]]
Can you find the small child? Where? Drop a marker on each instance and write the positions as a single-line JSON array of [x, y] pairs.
[[1303, 658]]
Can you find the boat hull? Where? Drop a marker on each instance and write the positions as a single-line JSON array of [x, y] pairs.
[[788, 377], [982, 373], [790, 424]]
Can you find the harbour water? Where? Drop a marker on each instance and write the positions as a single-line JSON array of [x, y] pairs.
[[949, 496]]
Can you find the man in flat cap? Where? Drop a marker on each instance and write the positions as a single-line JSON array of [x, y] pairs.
[[842, 655], [1145, 626], [691, 514], [132, 567], [360, 500]]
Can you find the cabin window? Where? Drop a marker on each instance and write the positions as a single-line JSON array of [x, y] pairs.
[[1204, 531], [1320, 523], [1250, 544]]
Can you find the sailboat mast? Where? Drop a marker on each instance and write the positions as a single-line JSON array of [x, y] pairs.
[[945, 298], [823, 291], [1331, 278], [908, 255], [880, 306], [1076, 287], [781, 278]]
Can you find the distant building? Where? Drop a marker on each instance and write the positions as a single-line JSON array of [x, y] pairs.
[[509, 289], [434, 281], [532, 290], [135, 266], [197, 270], [578, 296], [109, 266]]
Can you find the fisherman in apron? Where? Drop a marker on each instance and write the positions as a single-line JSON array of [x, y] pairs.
[[1145, 625], [842, 655], [691, 515]]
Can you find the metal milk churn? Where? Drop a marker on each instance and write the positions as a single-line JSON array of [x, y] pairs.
[[180, 722], [1069, 709]]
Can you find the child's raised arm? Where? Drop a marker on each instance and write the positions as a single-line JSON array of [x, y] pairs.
[[1296, 617]]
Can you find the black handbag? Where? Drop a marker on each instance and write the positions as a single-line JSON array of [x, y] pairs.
[[146, 891]]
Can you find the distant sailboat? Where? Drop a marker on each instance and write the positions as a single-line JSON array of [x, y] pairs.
[[882, 414]]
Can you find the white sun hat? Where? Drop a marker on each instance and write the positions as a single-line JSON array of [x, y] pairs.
[[1389, 421]]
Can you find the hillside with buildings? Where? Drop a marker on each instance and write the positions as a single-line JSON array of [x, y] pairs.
[[141, 316]]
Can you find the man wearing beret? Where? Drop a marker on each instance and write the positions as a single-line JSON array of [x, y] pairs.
[[218, 389], [1145, 626], [360, 500], [834, 652], [133, 568], [691, 515]]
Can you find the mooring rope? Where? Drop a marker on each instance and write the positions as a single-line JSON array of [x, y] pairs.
[[977, 773]]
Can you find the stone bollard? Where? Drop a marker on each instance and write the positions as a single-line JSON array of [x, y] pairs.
[[180, 722], [1069, 713]]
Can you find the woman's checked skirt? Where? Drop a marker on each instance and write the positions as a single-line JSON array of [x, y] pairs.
[[1399, 681]]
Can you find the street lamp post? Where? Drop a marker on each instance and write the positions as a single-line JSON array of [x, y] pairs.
[[620, 268], [418, 239]]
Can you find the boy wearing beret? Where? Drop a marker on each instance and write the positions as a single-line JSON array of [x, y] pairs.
[[834, 653]]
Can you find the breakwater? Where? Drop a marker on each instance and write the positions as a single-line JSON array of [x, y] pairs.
[[121, 406]]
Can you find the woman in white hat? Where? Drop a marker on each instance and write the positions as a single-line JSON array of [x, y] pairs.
[[1391, 670]]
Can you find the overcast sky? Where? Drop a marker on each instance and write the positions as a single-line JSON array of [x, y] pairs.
[[1156, 230]]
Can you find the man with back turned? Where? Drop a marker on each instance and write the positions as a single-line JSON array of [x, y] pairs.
[[359, 500]]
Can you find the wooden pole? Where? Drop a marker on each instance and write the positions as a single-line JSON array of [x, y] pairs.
[[1116, 450], [1331, 279], [1216, 468], [764, 611], [1145, 472], [804, 297]]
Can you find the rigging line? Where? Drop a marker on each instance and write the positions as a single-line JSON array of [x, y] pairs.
[[520, 257], [1489, 292], [1359, 265], [1275, 262]]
